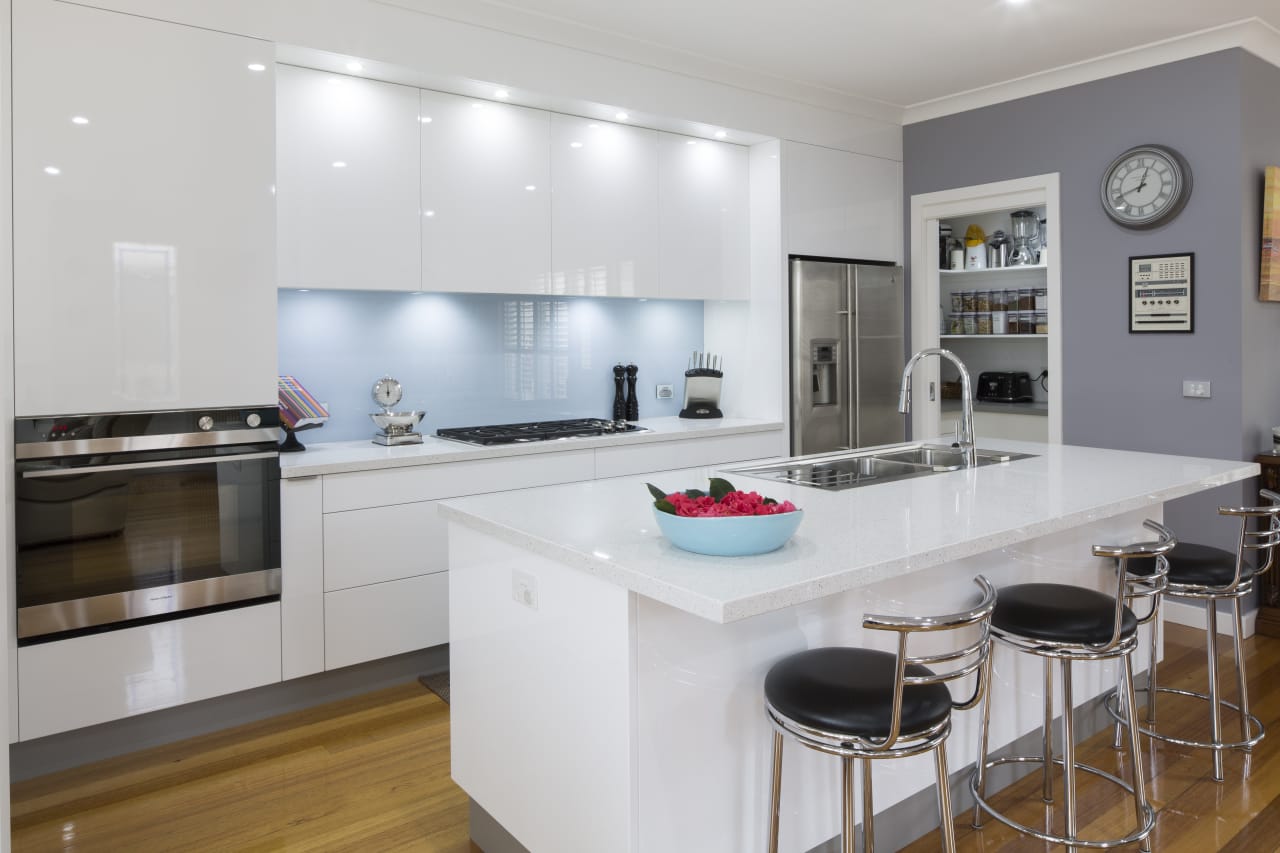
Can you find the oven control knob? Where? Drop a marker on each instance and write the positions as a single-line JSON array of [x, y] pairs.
[[253, 420], [205, 423]]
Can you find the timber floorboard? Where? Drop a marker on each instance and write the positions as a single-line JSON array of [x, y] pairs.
[[371, 773]]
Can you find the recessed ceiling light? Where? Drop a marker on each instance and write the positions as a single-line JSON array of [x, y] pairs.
[[691, 142], [530, 187], [575, 144], [502, 94], [257, 66], [339, 164], [720, 134], [79, 120], [52, 170], [622, 116], [304, 290], [355, 67], [428, 213], [425, 119], [593, 127]]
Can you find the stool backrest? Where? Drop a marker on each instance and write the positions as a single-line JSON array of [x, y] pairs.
[[1263, 540], [956, 663], [1131, 585]]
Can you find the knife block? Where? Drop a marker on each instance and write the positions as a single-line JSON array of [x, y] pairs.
[[702, 394]]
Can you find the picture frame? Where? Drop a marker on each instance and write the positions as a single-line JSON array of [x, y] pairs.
[[1162, 293]]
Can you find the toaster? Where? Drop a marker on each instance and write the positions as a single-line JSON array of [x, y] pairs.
[[1004, 387]]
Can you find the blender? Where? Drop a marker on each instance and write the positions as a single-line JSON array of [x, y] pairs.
[[1026, 231]]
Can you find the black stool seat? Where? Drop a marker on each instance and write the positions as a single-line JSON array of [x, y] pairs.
[[1059, 613], [1198, 565], [850, 691]]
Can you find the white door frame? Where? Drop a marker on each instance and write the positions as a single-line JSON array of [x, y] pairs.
[[926, 210]]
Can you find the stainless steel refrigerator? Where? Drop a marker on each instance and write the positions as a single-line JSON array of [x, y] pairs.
[[847, 355]]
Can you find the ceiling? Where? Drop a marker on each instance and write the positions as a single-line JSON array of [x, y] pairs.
[[900, 53]]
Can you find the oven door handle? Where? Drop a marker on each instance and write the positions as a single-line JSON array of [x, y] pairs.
[[138, 466]]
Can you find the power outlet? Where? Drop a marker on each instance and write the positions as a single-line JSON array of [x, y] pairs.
[[1195, 388], [666, 392], [524, 589]]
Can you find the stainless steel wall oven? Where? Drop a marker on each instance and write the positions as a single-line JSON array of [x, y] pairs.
[[138, 517]]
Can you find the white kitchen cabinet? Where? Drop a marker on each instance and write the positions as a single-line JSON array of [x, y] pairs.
[[837, 204], [144, 227], [385, 543], [347, 182], [628, 459], [486, 183], [383, 619], [604, 208], [703, 207]]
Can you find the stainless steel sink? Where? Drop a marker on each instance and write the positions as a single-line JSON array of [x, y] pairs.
[[853, 469]]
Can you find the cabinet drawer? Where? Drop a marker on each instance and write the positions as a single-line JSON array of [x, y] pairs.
[[377, 621], [365, 546], [624, 460], [68, 684], [361, 489]]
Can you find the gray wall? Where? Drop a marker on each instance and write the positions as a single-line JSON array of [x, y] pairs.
[[1121, 390]]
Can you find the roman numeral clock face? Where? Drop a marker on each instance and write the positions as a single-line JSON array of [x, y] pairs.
[[1146, 186]]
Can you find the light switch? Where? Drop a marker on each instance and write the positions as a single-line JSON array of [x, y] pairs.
[[1195, 388]]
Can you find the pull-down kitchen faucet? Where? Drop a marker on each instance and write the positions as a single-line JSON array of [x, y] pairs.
[[965, 439]]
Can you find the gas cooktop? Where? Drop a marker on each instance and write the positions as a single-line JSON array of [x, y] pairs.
[[537, 431]]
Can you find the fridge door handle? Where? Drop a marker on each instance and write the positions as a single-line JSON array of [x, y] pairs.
[[851, 359]]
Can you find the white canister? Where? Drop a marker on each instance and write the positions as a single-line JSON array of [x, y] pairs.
[[975, 257], [957, 259], [999, 322]]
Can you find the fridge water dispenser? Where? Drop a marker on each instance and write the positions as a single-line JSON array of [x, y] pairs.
[[825, 373]]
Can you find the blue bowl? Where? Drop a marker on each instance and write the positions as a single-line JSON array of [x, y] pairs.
[[735, 536]]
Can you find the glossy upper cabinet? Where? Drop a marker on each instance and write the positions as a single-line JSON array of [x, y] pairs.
[[703, 214], [144, 228], [347, 182], [604, 208], [486, 196], [841, 205]]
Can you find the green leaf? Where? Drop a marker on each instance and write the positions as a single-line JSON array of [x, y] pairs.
[[694, 493], [720, 488], [658, 494], [769, 502], [664, 505]]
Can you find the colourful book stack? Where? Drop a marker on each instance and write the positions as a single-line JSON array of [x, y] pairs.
[[297, 407]]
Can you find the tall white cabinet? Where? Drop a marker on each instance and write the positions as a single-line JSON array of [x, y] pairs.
[[837, 204], [144, 227], [347, 182], [486, 195]]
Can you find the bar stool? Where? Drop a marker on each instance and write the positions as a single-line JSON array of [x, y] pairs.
[[866, 704], [1211, 575], [1069, 624]]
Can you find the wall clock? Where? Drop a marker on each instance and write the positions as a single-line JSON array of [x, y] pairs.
[[1146, 186]]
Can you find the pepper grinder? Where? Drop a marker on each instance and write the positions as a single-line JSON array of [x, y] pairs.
[[619, 405], [633, 404]]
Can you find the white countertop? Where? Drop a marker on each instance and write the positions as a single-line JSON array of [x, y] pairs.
[[343, 456], [848, 539]]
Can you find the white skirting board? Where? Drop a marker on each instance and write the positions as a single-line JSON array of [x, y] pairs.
[[1191, 613]]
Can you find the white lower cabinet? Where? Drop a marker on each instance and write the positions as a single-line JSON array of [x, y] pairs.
[[83, 681], [626, 460], [383, 619], [386, 543]]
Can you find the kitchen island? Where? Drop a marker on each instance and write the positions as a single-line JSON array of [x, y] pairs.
[[607, 686]]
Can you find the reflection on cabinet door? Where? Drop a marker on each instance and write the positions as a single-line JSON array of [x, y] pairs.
[[703, 219], [143, 219], [486, 196], [347, 181], [604, 209]]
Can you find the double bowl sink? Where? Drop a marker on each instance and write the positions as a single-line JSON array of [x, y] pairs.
[[851, 469]]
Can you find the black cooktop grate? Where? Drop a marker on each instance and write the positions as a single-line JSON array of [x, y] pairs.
[[536, 431]]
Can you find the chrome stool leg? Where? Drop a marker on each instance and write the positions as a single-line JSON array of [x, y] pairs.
[[1153, 686], [1141, 806], [775, 792], [1068, 753], [1238, 642], [1047, 793], [946, 819], [868, 809], [1215, 711], [979, 779], [846, 806]]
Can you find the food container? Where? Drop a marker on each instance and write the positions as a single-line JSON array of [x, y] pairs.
[[957, 302], [1013, 326], [984, 322], [955, 323], [957, 258], [975, 257], [966, 301], [1042, 322], [998, 302], [1026, 322], [982, 300], [1011, 300], [999, 322], [1041, 296], [1026, 299], [970, 321]]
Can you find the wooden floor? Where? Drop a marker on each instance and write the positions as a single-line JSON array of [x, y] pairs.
[[372, 774]]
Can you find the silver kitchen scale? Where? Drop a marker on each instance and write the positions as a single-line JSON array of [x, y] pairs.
[[395, 428]]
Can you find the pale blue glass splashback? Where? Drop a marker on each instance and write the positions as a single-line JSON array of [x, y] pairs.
[[473, 359]]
